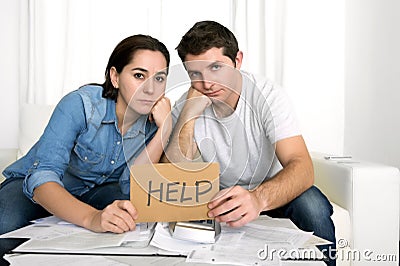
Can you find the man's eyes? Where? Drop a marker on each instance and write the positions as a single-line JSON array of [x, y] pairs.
[[194, 74], [216, 67]]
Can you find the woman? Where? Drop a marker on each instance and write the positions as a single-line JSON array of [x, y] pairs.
[[78, 169]]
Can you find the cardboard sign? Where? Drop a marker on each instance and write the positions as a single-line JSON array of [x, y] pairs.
[[169, 192]]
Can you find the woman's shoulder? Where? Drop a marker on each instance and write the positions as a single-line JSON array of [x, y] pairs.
[[91, 90], [86, 98]]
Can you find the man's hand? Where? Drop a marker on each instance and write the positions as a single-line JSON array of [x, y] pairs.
[[195, 104], [118, 217], [236, 206]]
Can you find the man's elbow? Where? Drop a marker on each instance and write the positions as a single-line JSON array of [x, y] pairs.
[[310, 174]]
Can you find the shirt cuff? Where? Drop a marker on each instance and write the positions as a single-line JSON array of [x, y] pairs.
[[39, 178]]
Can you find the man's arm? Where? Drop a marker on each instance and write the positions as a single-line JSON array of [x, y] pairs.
[[182, 146], [238, 206], [296, 176]]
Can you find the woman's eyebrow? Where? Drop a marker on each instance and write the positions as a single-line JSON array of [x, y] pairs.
[[140, 69], [162, 73]]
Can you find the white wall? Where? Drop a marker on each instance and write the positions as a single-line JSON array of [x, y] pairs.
[[9, 29], [372, 124], [313, 71]]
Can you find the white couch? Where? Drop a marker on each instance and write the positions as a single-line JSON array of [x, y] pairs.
[[365, 196]]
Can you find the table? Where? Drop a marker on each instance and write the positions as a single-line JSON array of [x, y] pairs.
[[7, 245]]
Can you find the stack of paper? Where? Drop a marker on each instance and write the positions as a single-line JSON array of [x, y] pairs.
[[51, 235]]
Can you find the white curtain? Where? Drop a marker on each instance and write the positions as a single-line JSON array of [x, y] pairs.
[[298, 44], [259, 27], [67, 42]]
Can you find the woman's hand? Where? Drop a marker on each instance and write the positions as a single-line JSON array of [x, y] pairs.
[[118, 217], [161, 115]]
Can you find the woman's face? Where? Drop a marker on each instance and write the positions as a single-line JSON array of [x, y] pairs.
[[141, 82]]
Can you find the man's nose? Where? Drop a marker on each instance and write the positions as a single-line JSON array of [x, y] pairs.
[[208, 83]]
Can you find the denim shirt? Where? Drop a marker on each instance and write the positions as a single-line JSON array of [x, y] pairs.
[[82, 146]]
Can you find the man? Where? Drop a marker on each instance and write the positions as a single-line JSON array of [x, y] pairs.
[[246, 124]]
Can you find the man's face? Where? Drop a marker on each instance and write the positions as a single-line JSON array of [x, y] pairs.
[[215, 75]]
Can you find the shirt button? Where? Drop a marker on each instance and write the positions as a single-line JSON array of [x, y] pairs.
[[112, 162], [104, 176], [118, 142], [85, 158]]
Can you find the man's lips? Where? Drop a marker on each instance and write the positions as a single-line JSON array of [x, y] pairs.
[[213, 93]]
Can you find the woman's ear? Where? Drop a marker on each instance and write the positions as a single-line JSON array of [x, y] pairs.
[[238, 59], [114, 77]]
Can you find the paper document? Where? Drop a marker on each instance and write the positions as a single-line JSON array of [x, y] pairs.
[[251, 244], [49, 235]]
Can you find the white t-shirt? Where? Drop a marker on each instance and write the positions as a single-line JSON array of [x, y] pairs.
[[244, 142]]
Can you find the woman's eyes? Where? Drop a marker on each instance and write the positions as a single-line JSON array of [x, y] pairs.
[[138, 75], [156, 78], [160, 78]]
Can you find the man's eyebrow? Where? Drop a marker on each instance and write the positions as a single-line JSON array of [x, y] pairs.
[[214, 62], [210, 64]]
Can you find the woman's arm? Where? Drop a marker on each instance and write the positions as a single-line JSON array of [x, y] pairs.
[[52, 157], [117, 217], [161, 114]]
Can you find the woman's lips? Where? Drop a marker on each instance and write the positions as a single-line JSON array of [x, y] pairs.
[[147, 102]]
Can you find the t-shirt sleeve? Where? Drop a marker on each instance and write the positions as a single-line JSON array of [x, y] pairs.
[[278, 116], [177, 108]]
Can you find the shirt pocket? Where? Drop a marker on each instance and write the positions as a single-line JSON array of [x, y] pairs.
[[85, 160]]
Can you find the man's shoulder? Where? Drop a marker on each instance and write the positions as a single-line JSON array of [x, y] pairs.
[[179, 103], [182, 98], [256, 83]]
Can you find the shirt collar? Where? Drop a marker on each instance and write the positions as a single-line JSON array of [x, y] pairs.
[[111, 118]]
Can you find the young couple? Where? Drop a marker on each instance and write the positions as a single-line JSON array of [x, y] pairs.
[[79, 169]]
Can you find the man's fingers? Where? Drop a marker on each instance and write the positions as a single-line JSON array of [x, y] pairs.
[[220, 197]]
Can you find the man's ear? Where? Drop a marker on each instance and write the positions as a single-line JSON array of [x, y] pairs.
[[238, 59], [114, 77]]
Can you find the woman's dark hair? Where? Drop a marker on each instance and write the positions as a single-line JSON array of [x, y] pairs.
[[124, 53], [205, 35]]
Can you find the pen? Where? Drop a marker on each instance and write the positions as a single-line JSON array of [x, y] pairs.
[[337, 157]]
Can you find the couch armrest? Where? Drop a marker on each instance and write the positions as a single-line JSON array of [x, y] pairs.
[[7, 156], [370, 192]]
